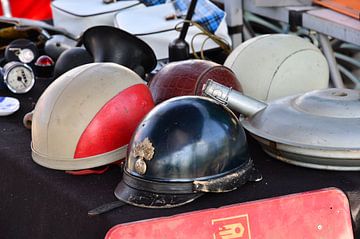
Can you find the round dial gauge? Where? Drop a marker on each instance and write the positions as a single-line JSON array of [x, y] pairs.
[[18, 77], [26, 55], [22, 50]]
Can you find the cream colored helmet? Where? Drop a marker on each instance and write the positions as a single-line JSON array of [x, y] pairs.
[[86, 117], [276, 65]]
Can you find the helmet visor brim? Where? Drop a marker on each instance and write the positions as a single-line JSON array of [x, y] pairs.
[[141, 198]]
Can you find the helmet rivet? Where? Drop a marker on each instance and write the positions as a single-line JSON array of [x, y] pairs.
[[140, 166]]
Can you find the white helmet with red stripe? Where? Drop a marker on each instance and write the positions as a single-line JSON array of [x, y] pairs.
[[87, 116]]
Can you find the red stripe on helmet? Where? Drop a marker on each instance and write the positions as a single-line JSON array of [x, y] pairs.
[[113, 126]]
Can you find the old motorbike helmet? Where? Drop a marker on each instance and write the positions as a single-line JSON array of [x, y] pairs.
[[184, 147], [87, 116], [276, 65], [187, 78]]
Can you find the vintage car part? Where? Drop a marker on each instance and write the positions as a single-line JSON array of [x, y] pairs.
[[44, 66], [318, 129], [70, 59], [86, 117], [18, 77], [58, 44], [22, 50], [187, 78], [184, 147], [273, 66], [110, 44]]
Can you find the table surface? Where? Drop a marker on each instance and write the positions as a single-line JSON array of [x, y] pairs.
[[37, 202]]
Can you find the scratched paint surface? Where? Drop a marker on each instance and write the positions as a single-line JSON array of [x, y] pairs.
[[316, 214]]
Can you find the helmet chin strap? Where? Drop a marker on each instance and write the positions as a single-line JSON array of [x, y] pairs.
[[106, 208]]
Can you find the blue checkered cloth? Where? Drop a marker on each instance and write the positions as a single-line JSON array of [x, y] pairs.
[[152, 2], [207, 14]]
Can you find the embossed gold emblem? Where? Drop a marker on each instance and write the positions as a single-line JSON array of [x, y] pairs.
[[143, 151]]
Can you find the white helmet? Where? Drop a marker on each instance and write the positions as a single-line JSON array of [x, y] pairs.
[[273, 66], [86, 117]]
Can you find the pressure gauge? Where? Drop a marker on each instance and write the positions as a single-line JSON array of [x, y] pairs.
[[18, 77]]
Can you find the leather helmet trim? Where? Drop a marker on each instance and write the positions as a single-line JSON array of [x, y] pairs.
[[222, 183], [142, 198], [156, 186], [150, 194], [226, 183]]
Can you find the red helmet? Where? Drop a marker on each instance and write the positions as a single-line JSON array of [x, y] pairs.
[[87, 116], [187, 78]]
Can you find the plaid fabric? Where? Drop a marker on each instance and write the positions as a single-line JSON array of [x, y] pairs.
[[207, 14], [152, 2]]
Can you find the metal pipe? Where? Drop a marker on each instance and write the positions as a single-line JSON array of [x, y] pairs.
[[329, 54], [233, 99], [348, 59], [351, 76]]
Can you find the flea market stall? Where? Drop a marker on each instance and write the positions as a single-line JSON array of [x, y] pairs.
[[113, 125]]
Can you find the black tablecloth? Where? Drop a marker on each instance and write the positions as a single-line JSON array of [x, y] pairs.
[[37, 202]]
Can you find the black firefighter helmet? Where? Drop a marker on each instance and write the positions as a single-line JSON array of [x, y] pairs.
[[184, 147]]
